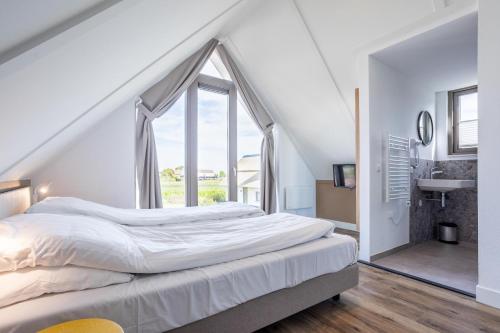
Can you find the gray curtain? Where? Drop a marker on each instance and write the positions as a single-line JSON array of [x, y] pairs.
[[155, 102], [262, 118]]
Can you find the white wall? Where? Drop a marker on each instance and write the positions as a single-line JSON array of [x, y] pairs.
[[308, 52], [488, 289], [78, 77], [292, 171], [441, 120], [441, 59], [311, 48], [294, 84], [99, 165], [394, 105], [341, 37]]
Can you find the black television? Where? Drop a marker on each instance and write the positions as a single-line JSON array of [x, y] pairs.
[[344, 175]]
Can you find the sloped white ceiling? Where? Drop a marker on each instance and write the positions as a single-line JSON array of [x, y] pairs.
[[26, 23], [278, 56], [444, 58], [300, 56], [57, 90], [341, 28]]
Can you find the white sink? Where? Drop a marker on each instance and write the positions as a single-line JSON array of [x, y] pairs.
[[444, 185]]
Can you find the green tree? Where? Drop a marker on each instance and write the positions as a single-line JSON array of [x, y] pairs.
[[222, 174], [169, 174]]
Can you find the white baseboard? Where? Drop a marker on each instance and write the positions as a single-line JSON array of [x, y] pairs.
[[488, 296], [342, 225]]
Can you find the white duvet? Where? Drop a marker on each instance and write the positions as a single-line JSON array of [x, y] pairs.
[[75, 206], [32, 282], [30, 240]]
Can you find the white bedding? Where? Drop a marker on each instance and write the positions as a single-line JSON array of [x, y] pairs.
[[29, 240], [156, 303], [29, 283], [142, 217]]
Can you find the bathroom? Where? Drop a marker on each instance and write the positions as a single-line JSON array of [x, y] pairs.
[[423, 98]]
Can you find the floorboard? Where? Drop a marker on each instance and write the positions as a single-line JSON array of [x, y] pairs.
[[387, 302]]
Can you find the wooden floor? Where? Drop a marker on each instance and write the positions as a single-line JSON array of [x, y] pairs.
[[386, 302]]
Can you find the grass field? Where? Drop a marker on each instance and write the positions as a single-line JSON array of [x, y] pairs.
[[210, 191]]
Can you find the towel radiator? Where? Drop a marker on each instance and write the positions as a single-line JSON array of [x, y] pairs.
[[398, 169]]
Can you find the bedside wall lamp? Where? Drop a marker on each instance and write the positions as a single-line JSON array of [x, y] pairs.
[[40, 191]]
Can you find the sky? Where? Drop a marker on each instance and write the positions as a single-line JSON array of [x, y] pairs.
[[212, 131], [468, 107], [468, 131]]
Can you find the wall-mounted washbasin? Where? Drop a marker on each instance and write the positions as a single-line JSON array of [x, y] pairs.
[[444, 185]]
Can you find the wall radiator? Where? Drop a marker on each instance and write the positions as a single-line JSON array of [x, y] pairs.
[[398, 168]]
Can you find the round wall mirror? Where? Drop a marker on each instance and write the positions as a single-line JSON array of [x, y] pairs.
[[425, 127]]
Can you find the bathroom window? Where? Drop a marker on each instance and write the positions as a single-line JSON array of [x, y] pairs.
[[463, 121]]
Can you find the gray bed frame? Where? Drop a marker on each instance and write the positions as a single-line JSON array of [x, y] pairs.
[[268, 309]]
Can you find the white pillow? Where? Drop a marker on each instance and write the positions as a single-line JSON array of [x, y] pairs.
[[29, 283]]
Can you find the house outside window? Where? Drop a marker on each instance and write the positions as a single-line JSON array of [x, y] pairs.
[[462, 121], [249, 179]]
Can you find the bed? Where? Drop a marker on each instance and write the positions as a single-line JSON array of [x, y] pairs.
[[241, 295]]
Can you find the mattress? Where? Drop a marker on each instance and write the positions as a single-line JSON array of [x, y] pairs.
[[160, 302]]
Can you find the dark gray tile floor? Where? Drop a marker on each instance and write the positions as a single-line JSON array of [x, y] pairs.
[[447, 264]]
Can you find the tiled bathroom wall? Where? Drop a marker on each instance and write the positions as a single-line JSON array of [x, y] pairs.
[[421, 222], [461, 205]]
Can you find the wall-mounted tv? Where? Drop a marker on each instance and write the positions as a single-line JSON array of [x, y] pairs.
[[344, 175]]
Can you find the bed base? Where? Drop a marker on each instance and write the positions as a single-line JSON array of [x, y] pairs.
[[268, 309]]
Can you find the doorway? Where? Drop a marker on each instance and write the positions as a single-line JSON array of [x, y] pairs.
[[404, 234]]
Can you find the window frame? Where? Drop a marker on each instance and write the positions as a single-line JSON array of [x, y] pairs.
[[453, 122], [221, 86]]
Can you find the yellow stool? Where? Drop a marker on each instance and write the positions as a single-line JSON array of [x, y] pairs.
[[89, 325]]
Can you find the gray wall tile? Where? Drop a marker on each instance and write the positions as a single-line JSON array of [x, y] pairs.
[[461, 205]]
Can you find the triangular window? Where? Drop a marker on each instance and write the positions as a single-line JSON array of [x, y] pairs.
[[215, 68]]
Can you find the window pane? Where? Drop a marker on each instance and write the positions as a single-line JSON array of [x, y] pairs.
[[212, 147], [468, 107], [468, 124], [170, 146], [249, 142], [468, 134], [214, 67], [210, 69]]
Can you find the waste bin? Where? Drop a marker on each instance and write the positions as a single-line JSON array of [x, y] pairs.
[[448, 233]]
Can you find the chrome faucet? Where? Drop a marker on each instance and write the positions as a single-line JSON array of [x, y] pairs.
[[435, 171]]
